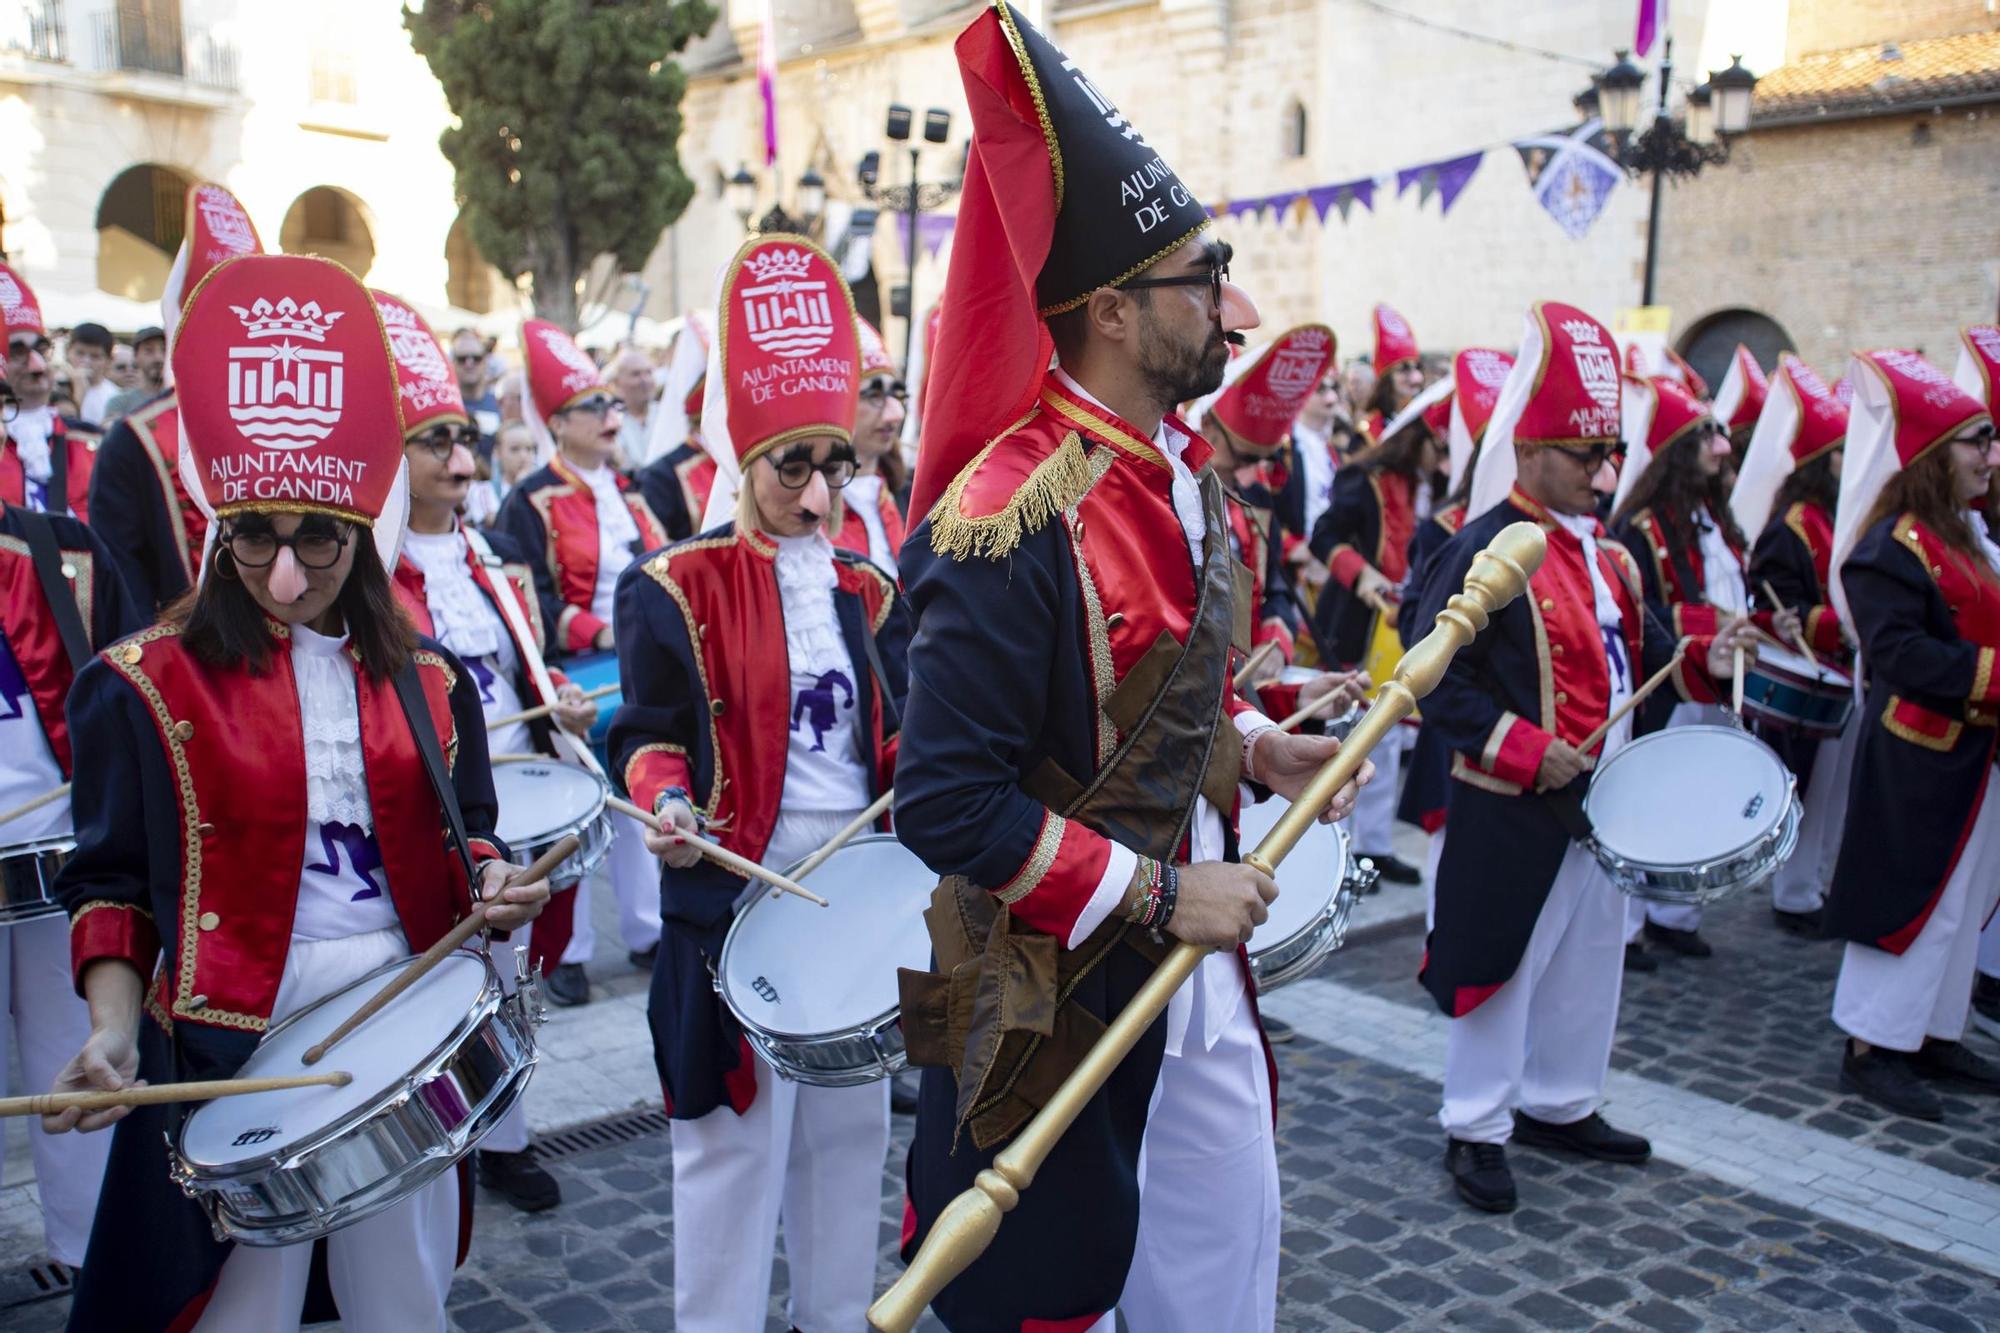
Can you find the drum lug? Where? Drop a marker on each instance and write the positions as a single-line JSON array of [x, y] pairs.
[[528, 989]]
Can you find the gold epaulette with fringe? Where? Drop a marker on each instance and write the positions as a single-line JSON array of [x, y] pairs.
[[1057, 482]]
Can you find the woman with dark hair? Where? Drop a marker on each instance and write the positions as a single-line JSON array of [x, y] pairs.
[[1919, 869], [257, 824], [872, 522], [1399, 372]]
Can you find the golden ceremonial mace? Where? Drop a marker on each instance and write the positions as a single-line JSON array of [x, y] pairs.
[[970, 1222]]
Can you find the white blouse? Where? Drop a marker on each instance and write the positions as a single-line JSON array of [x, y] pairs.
[[824, 768], [343, 888]]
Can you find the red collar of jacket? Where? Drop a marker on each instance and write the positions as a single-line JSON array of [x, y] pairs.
[[569, 513], [80, 455], [853, 534], [35, 641], [410, 589], [158, 428]]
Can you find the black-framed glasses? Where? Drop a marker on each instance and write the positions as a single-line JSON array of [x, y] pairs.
[[1212, 278], [597, 405], [879, 393], [313, 546], [468, 358], [796, 472], [1980, 438], [1593, 458], [10, 405], [441, 440]]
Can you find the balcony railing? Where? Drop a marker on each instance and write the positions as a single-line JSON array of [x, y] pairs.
[[140, 44], [35, 30]]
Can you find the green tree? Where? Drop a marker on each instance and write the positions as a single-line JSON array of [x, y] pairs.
[[569, 120]]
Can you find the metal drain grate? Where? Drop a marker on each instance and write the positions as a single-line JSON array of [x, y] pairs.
[[37, 1282], [609, 1132]]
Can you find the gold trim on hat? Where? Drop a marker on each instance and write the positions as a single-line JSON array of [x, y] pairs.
[[1129, 274], [1020, 48], [844, 433]]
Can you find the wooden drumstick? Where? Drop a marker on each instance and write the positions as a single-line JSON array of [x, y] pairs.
[[543, 710], [1255, 660], [1319, 705], [153, 1094], [722, 856], [839, 840], [1653, 682], [1737, 685], [1771, 594], [474, 922], [29, 807]]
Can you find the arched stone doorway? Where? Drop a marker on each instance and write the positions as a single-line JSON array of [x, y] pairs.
[[330, 223], [140, 218], [1712, 340], [470, 282]]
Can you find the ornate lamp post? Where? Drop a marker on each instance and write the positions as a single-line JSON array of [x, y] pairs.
[[911, 200], [808, 204]]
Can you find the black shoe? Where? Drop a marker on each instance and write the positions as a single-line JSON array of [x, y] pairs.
[[1638, 960], [520, 1179], [1395, 870], [1950, 1062], [1887, 1078], [1803, 924], [1686, 943], [1588, 1137], [903, 1093], [1986, 1004], [1480, 1172], [1278, 1032], [643, 958], [566, 985]]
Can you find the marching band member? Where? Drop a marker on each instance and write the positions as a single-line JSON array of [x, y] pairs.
[[44, 465], [585, 523], [1918, 577], [873, 526], [764, 674], [138, 501], [1072, 749], [259, 825], [1309, 488], [473, 593], [60, 597], [675, 483], [1527, 933], [1399, 373], [1786, 493], [1739, 401]]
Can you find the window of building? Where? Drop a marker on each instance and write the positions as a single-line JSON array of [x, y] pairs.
[[1295, 128], [140, 218], [329, 223]]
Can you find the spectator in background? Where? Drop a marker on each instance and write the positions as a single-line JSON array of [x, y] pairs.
[[89, 357], [631, 378], [124, 371], [149, 357], [513, 457], [469, 356]]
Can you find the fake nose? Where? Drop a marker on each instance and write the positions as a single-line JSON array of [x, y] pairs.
[[1239, 312], [817, 497], [1605, 480], [288, 581]]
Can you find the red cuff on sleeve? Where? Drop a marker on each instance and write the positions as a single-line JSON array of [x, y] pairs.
[[577, 629], [103, 929], [1345, 564], [1823, 631], [1691, 676], [1055, 883], [1280, 700], [1274, 630], [558, 678], [1514, 750], [1691, 618], [1985, 680], [654, 768], [483, 851]]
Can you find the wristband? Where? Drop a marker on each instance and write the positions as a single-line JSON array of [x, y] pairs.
[[686, 798], [1250, 740]]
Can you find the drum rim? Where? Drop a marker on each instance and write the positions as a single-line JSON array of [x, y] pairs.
[[550, 837], [491, 999], [1791, 788], [38, 848], [1829, 677]]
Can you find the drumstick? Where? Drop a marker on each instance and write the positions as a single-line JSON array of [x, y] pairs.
[[840, 839], [55, 1103], [1255, 660], [1653, 682], [1737, 684], [722, 856], [1804, 647], [543, 710], [29, 807], [1318, 705], [475, 920]]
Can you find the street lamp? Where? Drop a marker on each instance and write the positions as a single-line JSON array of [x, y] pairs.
[[742, 192], [808, 203], [1733, 87], [1618, 90], [912, 199]]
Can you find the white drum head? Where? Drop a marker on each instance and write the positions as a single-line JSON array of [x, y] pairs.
[[1687, 795], [542, 800], [380, 1054], [1786, 659], [797, 970], [1308, 878], [1298, 675]]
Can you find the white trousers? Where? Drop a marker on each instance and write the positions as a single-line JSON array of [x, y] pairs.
[[1206, 1260], [1542, 1042], [1897, 1000], [634, 873], [1676, 916], [42, 1019], [390, 1272], [1372, 826], [1989, 948], [1801, 882]]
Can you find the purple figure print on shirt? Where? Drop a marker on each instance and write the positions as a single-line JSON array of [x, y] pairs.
[[363, 857], [816, 705], [13, 684], [482, 675]]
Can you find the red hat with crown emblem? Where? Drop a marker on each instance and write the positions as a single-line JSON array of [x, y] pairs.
[[1575, 396], [1476, 376], [875, 358], [559, 372], [1741, 397], [1801, 420], [19, 310], [216, 229], [287, 390], [428, 389], [1978, 370], [1263, 391], [1923, 407], [1395, 345], [789, 347], [1675, 413]]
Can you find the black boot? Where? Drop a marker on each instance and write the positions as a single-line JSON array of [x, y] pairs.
[[1277, 1031], [1638, 960], [1588, 1137], [1803, 924], [520, 1179], [1394, 869], [1950, 1062], [1480, 1172], [1887, 1078], [1986, 1004], [1686, 943], [566, 985]]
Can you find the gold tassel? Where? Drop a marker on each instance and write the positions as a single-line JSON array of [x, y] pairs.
[[1058, 482]]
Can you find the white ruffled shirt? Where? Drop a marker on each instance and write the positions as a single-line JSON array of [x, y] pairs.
[[30, 431], [1313, 452], [863, 499], [616, 531], [824, 768], [1610, 627], [343, 888], [468, 624], [1722, 572]]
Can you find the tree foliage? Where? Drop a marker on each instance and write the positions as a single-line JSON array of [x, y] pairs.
[[569, 118]]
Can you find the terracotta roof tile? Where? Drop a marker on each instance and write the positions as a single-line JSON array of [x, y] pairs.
[[1885, 75]]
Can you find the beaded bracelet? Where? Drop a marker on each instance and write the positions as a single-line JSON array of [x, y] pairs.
[[1250, 740]]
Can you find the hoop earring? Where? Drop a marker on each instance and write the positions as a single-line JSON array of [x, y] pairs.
[[223, 571]]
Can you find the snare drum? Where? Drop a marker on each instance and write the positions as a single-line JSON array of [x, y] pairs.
[[433, 1072], [591, 671], [28, 878], [1317, 886], [541, 801], [1787, 690], [815, 987], [1689, 814]]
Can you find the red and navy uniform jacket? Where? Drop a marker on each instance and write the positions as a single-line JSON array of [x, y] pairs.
[[1257, 544], [1371, 520], [1427, 788], [1045, 571], [190, 799], [34, 667], [853, 534], [155, 530], [553, 512], [73, 451], [1672, 572], [1928, 619], [1539, 671], [707, 708], [1793, 555], [675, 487]]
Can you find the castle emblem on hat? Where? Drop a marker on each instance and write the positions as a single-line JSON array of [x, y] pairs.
[[285, 396], [1487, 368], [1596, 366], [1295, 369], [228, 227], [583, 371], [785, 309], [11, 302], [1939, 391]]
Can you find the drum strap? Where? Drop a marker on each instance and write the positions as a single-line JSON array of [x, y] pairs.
[[62, 601], [410, 692], [1567, 807], [531, 657], [892, 721]]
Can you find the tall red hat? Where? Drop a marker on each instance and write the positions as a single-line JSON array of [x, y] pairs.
[[1679, 369], [1801, 420], [559, 372], [1978, 370], [287, 391], [1476, 376], [1822, 416], [1658, 411], [1742, 394], [216, 229], [424, 379], [1394, 343], [1563, 389], [19, 310], [788, 347], [1263, 391], [875, 358]]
